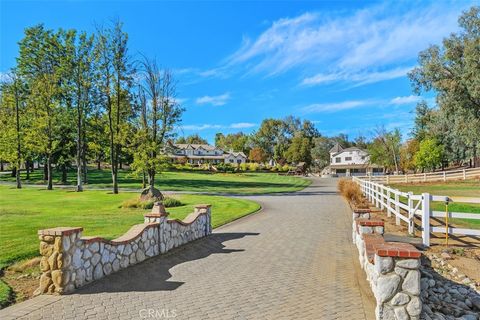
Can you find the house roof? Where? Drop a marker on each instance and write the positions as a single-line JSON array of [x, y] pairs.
[[194, 146], [349, 150], [236, 154], [336, 148]]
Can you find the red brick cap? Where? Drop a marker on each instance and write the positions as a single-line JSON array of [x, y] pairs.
[[397, 249], [59, 231], [361, 210], [369, 222], [371, 241]]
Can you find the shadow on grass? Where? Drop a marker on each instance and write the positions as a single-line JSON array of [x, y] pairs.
[[153, 274]]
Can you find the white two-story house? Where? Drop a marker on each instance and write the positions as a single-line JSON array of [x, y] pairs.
[[204, 153], [351, 162]]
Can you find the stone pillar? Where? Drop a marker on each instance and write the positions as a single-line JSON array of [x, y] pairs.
[[205, 208], [57, 247], [158, 215]]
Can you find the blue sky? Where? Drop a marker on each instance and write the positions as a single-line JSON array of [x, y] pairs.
[[340, 64]]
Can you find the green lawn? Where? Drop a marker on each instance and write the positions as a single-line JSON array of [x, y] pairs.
[[467, 188], [24, 211], [242, 183], [459, 188]]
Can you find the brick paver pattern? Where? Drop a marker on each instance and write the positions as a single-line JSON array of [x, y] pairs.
[[292, 260]]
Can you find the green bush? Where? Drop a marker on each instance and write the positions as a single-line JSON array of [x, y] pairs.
[[137, 203], [253, 166], [285, 168], [244, 166], [225, 167], [171, 202]]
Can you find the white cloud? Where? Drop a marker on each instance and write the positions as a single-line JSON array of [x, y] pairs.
[[214, 100], [405, 100], [359, 78], [242, 125], [334, 107], [237, 125], [363, 46]]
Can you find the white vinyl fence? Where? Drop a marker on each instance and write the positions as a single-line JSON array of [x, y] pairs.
[[461, 174], [405, 206]]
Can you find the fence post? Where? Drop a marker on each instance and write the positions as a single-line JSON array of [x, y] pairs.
[[464, 174], [426, 197], [410, 214], [389, 214], [444, 176], [406, 178], [388, 180], [424, 177], [397, 209]]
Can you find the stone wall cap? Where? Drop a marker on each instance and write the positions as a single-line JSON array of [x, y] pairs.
[[201, 206], [369, 222], [397, 249], [361, 210], [59, 231], [155, 215]]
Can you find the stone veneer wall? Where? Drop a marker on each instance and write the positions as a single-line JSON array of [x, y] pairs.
[[70, 261], [392, 270]]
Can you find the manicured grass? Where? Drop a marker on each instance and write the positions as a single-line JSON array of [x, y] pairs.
[[24, 211], [241, 183], [467, 188], [460, 188]]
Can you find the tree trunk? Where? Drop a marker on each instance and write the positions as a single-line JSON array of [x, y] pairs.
[[84, 159], [151, 179], [27, 167], [1, 165], [49, 173], [99, 165], [64, 174], [79, 148], [14, 172], [144, 180], [45, 171]]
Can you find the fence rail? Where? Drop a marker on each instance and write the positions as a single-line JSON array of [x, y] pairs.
[[406, 207], [461, 174]]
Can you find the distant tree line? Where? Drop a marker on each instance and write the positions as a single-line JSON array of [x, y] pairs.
[[75, 98]]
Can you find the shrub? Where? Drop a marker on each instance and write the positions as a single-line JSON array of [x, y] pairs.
[[244, 166], [137, 203], [253, 166], [352, 192], [171, 202], [285, 168]]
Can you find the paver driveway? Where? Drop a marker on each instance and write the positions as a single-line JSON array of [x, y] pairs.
[[292, 260]]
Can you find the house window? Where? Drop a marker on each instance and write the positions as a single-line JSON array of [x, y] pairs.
[[363, 157], [231, 160], [239, 161], [348, 158], [338, 160]]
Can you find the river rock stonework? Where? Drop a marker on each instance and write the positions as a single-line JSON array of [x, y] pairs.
[[70, 261], [392, 270]]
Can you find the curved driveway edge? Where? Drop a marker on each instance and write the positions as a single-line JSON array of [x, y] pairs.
[[292, 260]]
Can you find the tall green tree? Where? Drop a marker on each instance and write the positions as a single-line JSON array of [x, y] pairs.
[[114, 74], [451, 71], [160, 113], [192, 139], [429, 155], [385, 148], [39, 62]]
